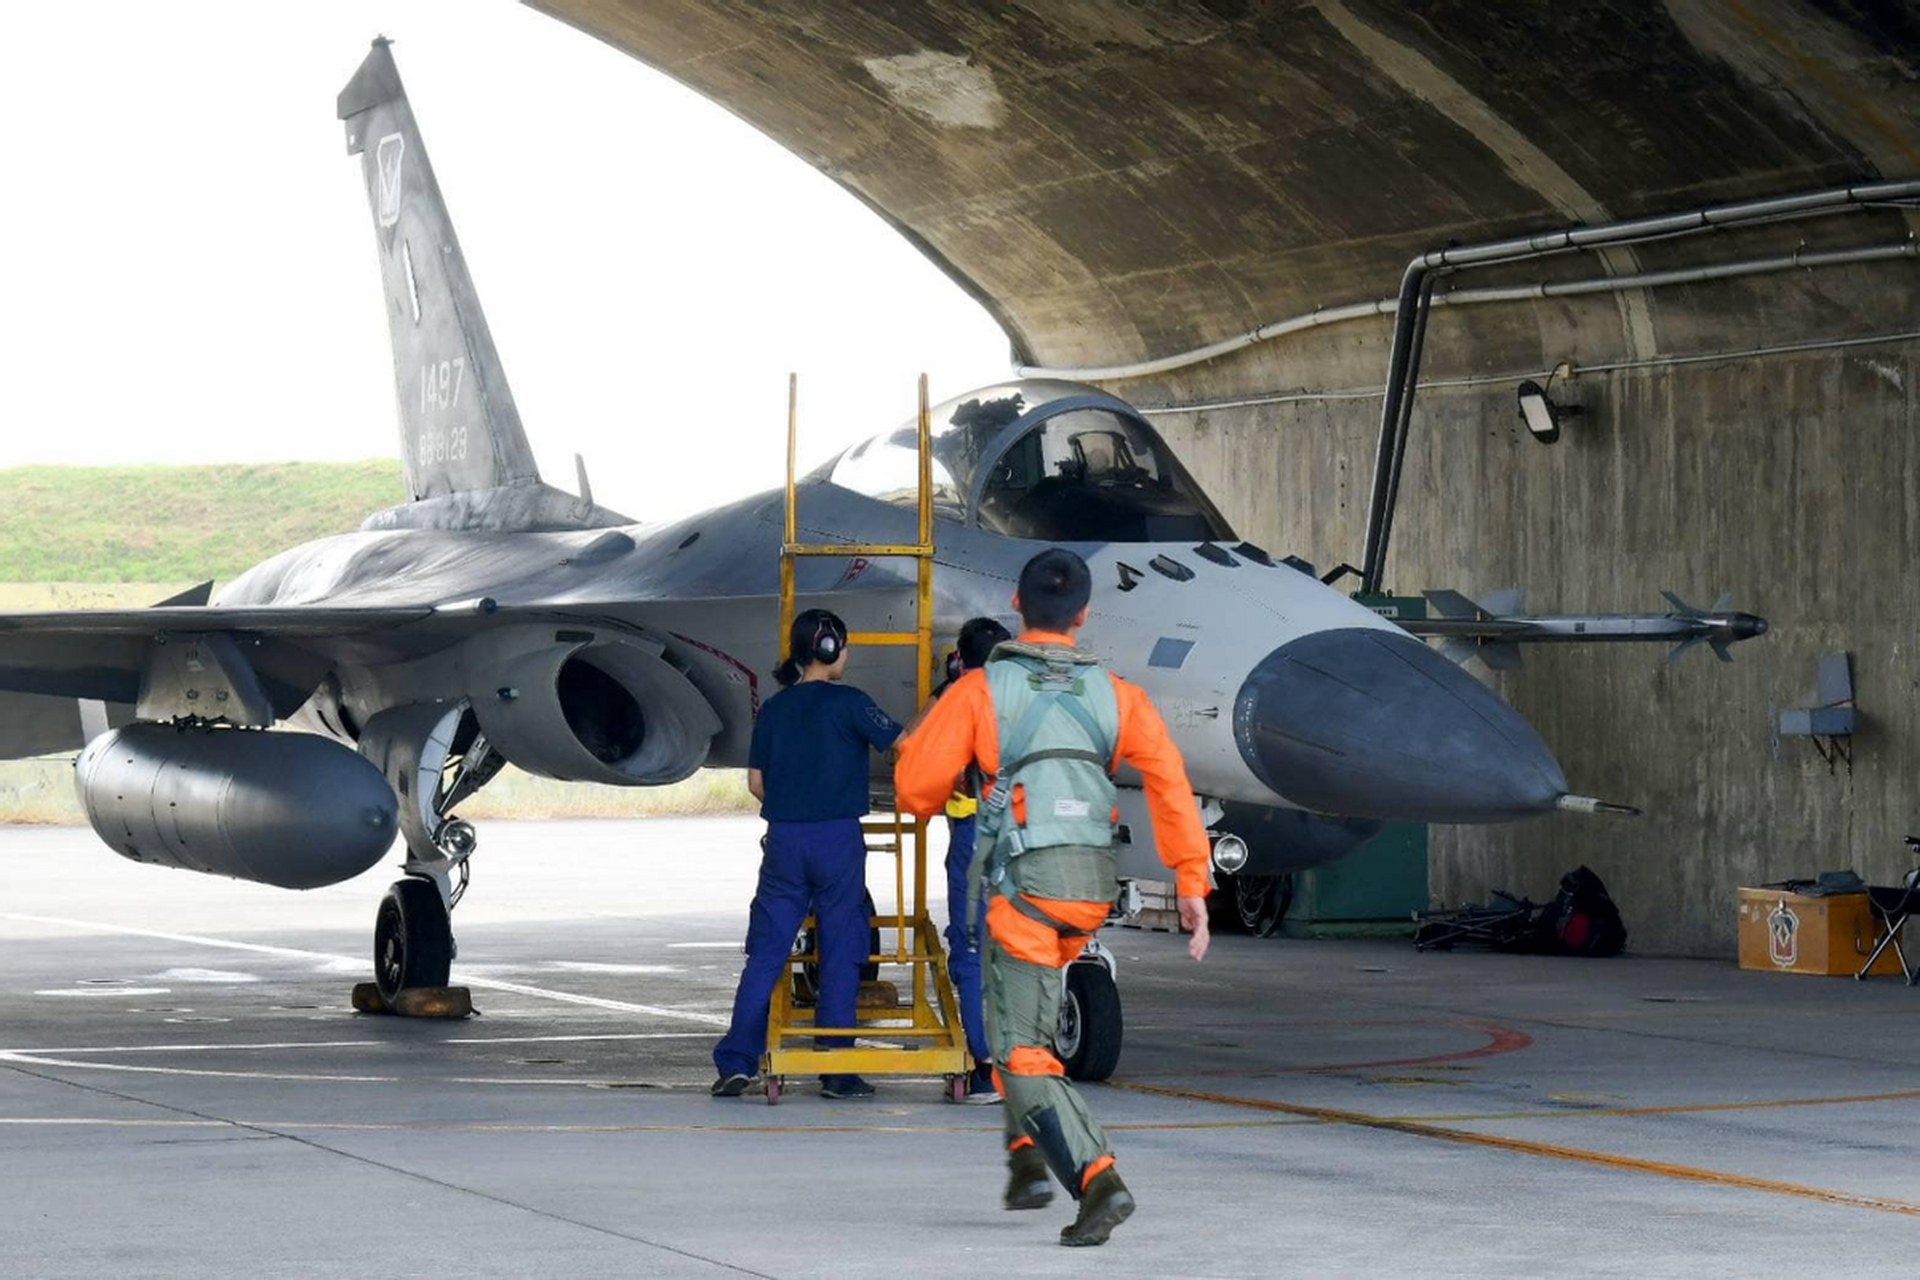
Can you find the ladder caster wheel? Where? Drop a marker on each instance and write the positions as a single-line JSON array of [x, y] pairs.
[[956, 1088], [773, 1091]]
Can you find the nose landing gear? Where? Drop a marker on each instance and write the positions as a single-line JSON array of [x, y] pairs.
[[412, 939], [435, 757], [1088, 1039]]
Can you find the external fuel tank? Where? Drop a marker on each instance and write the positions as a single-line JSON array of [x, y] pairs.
[[286, 809]]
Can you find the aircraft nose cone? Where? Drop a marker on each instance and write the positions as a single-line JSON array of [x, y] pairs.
[[1368, 723]]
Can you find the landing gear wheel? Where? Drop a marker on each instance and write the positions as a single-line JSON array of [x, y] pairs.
[[412, 939], [1088, 1042]]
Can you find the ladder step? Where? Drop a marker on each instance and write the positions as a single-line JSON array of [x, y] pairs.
[[915, 550]]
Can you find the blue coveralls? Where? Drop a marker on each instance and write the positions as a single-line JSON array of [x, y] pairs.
[[810, 744], [963, 957], [825, 864]]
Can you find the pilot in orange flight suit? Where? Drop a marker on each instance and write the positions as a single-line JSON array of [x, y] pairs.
[[1057, 886]]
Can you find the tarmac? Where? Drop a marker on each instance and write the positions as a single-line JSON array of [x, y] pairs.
[[184, 1090]]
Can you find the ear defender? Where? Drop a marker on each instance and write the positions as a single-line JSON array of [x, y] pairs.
[[827, 642]]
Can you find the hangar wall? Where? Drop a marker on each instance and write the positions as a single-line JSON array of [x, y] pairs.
[[1120, 179], [1791, 480]]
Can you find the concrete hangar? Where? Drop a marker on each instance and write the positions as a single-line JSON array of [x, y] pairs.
[[1169, 198]]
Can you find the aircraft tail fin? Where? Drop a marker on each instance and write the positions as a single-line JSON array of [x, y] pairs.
[[459, 428]]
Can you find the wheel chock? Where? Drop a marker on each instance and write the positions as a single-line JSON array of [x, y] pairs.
[[415, 1002], [434, 1002]]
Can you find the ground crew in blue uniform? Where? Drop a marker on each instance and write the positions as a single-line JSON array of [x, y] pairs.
[[807, 765], [978, 638], [1053, 725]]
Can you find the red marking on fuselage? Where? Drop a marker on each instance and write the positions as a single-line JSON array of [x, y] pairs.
[[753, 681]]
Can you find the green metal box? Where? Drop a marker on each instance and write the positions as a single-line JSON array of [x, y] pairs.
[[1371, 893]]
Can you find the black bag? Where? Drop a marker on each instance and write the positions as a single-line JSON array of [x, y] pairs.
[[1582, 920]]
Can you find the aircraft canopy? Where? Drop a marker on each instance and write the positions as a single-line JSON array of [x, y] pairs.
[[1049, 461]]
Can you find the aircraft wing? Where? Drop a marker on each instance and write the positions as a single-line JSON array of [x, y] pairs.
[[287, 620], [100, 654], [267, 659]]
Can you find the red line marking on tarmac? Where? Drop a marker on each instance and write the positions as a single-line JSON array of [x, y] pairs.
[[1499, 1040]]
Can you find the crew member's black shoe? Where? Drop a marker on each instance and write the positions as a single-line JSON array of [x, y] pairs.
[[1027, 1185], [844, 1087], [1104, 1205], [731, 1086]]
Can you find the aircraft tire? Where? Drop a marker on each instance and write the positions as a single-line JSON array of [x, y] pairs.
[[412, 939], [1088, 1043]]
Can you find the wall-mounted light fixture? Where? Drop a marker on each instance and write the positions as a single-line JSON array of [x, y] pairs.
[[1542, 415], [1540, 411]]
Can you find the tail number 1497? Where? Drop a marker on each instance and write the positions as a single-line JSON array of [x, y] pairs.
[[440, 384], [440, 387]]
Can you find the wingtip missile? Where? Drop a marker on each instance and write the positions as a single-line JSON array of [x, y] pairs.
[[1720, 627], [1493, 630]]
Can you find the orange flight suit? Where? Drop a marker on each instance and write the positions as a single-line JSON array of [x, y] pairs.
[[962, 729]]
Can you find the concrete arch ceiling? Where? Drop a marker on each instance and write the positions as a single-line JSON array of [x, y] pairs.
[[1119, 179]]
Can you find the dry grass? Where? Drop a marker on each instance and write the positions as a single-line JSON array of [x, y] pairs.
[[518, 795], [38, 791], [33, 597]]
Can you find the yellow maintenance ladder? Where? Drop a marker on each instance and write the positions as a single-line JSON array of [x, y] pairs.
[[922, 1036]]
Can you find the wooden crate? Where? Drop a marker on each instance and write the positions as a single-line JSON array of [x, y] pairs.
[[1159, 908], [1785, 932]]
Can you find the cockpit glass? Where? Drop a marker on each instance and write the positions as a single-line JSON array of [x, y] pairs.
[[1091, 475], [1083, 475], [885, 467]]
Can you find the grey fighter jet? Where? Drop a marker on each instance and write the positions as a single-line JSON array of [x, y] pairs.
[[493, 618]]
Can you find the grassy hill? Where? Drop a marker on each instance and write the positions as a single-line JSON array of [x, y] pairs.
[[155, 524]]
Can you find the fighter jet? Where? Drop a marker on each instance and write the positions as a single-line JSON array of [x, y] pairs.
[[493, 618]]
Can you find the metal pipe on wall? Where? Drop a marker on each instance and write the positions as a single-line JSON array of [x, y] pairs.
[[1495, 379], [1712, 218], [1396, 418], [1416, 290], [1404, 362]]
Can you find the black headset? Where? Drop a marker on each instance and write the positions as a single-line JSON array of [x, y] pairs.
[[829, 641]]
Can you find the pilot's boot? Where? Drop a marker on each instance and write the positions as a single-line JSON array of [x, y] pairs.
[[1027, 1185], [1104, 1205]]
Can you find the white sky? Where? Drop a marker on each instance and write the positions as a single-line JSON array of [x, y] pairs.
[[187, 268]]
